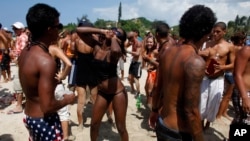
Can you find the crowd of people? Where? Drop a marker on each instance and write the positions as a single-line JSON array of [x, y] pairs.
[[190, 80]]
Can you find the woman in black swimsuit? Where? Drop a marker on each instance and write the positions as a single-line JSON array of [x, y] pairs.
[[110, 87]]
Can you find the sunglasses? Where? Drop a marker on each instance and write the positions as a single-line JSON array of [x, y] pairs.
[[59, 26], [117, 33]]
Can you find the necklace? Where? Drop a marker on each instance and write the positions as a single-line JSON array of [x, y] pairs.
[[160, 46], [40, 44]]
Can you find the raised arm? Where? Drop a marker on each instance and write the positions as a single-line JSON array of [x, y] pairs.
[[58, 53]]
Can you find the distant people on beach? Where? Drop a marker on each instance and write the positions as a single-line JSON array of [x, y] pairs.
[[37, 72], [175, 112], [135, 68], [21, 42]]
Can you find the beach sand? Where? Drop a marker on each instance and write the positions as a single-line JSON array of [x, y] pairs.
[[12, 127]]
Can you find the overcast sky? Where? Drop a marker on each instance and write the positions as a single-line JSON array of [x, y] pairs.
[[166, 10]]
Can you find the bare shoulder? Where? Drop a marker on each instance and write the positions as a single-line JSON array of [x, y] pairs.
[[194, 64], [244, 51]]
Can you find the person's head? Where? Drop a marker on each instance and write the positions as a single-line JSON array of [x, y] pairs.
[[18, 28], [43, 22], [161, 30], [148, 33], [219, 30], [137, 32], [86, 37], [196, 23], [131, 37], [0, 26], [239, 38], [150, 43], [122, 36]]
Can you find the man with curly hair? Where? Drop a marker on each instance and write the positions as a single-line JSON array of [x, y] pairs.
[[175, 110]]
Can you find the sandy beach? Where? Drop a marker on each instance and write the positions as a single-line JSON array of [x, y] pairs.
[[12, 127]]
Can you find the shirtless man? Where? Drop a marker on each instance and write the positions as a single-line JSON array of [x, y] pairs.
[[238, 40], [5, 39], [218, 50], [164, 41], [180, 74], [5, 44], [242, 76], [37, 72], [135, 65]]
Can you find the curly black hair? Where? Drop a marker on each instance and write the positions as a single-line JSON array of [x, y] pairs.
[[39, 18], [196, 22]]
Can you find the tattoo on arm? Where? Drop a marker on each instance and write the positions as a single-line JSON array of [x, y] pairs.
[[194, 71]]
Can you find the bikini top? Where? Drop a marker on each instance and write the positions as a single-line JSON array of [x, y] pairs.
[[105, 70]]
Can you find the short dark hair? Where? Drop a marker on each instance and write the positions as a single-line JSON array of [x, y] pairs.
[[0, 25], [136, 31], [196, 22], [39, 18], [222, 25], [238, 37], [162, 29]]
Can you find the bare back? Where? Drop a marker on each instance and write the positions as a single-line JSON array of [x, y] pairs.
[[38, 83], [183, 71], [242, 66]]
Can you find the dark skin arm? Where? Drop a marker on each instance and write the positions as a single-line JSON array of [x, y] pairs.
[[240, 64], [156, 100], [46, 88], [194, 70]]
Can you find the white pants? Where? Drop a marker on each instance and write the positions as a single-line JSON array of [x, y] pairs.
[[211, 94]]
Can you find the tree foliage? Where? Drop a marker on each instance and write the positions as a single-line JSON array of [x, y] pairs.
[[240, 23]]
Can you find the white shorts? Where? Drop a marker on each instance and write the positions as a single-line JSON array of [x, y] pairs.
[[211, 95], [64, 111], [121, 64]]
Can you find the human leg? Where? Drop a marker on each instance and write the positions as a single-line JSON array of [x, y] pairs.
[[109, 113], [131, 82], [225, 102], [131, 77], [3, 72], [99, 109], [93, 93], [137, 85], [81, 91], [204, 99], [9, 73], [120, 104], [216, 89]]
